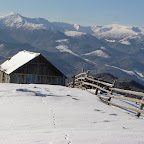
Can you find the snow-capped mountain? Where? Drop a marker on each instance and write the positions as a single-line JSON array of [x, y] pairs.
[[15, 20], [113, 31], [117, 31], [111, 48]]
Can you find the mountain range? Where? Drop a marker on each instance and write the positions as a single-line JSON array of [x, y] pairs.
[[115, 48]]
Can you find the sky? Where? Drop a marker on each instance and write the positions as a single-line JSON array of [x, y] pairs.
[[84, 12]]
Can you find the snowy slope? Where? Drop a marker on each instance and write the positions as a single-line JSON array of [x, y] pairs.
[[74, 33], [63, 46], [99, 53], [49, 114]]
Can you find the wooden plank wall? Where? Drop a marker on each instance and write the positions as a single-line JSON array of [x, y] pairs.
[[39, 66], [36, 79], [4, 78]]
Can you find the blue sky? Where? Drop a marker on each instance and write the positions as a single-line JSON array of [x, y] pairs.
[[84, 12]]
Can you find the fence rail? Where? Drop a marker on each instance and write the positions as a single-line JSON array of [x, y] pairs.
[[84, 81]]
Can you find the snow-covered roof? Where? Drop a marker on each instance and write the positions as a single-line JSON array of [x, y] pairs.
[[17, 61]]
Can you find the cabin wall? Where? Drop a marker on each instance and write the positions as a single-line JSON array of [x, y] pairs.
[[36, 79], [39, 66], [4, 78]]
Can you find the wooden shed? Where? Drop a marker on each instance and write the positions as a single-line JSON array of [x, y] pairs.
[[27, 67]]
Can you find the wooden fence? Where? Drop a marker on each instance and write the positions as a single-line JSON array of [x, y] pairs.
[[84, 81]]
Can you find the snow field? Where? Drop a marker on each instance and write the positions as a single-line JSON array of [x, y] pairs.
[[99, 53], [63, 46], [74, 33], [49, 114]]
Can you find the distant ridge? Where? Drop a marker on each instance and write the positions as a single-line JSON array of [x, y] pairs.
[[15, 20]]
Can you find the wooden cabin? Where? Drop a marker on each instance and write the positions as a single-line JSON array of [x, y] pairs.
[[30, 68]]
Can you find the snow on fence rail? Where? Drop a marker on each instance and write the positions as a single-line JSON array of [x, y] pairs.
[[84, 81]]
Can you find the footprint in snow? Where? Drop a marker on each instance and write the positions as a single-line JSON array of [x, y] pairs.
[[101, 121], [67, 138], [106, 121], [113, 114], [69, 95], [97, 110], [95, 122], [75, 99], [47, 90]]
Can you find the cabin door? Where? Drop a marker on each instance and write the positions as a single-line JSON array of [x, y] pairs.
[[60, 81]]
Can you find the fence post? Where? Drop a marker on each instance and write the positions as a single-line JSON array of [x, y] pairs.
[[109, 99], [141, 107], [96, 91], [73, 84], [88, 72], [82, 72]]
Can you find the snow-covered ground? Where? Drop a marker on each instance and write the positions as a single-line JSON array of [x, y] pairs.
[[110, 40], [74, 33], [47, 114], [63, 46]]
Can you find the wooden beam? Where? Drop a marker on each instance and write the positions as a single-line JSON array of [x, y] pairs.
[[101, 82], [80, 74], [96, 86], [128, 92], [125, 107], [126, 98], [104, 98], [80, 78]]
